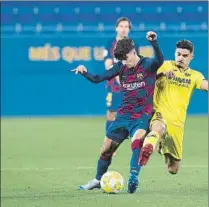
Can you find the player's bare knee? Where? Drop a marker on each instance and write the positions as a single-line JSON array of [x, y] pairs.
[[108, 148], [138, 139], [159, 127], [139, 134], [106, 145], [111, 115]]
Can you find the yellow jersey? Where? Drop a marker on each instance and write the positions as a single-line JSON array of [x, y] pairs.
[[172, 96]]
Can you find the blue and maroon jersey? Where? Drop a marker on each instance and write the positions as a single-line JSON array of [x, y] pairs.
[[137, 83], [112, 85]]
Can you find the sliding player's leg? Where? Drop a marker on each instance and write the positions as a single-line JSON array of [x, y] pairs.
[[157, 131], [172, 146], [172, 163]]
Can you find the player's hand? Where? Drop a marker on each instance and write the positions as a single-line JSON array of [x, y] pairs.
[[80, 69], [169, 74], [151, 36]]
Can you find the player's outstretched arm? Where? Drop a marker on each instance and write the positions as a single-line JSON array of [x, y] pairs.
[[97, 78], [204, 85], [157, 61], [201, 83]]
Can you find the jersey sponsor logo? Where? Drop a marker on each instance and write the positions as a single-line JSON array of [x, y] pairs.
[[182, 82], [133, 86]]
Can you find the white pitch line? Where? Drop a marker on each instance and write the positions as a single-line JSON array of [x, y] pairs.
[[92, 167]]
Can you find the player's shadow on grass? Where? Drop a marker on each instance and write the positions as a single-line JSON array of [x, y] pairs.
[[74, 193], [173, 191], [57, 194]]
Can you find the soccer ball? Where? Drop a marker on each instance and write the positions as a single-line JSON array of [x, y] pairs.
[[112, 182]]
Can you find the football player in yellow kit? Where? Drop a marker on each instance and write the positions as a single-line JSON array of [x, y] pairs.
[[174, 86]]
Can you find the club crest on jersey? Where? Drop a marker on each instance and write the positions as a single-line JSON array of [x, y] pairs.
[[140, 76]]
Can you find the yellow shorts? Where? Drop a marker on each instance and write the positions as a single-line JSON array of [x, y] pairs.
[[172, 142]]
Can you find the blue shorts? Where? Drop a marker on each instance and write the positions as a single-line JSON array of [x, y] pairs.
[[122, 128], [113, 100]]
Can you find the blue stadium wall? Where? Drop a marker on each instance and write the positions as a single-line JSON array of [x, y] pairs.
[[34, 67]]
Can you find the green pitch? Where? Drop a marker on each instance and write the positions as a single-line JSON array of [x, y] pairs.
[[44, 160]]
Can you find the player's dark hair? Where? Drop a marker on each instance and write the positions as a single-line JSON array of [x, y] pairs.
[[123, 47], [121, 19], [185, 44]]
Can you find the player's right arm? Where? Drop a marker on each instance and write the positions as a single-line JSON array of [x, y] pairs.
[[204, 85], [97, 78]]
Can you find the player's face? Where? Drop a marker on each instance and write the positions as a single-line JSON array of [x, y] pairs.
[[130, 62], [183, 57], [123, 29]]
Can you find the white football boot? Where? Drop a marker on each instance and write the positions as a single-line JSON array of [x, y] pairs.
[[90, 185]]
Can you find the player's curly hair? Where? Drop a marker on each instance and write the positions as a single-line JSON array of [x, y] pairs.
[[123, 47], [121, 19], [185, 44]]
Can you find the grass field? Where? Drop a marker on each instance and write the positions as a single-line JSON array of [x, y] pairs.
[[45, 160]]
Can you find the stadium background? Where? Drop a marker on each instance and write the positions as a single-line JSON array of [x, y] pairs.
[[41, 41], [45, 156]]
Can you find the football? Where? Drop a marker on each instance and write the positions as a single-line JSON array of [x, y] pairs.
[[112, 182]]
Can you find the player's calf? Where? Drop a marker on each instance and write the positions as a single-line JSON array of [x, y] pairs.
[[103, 163], [160, 147], [172, 163], [101, 150], [108, 148], [172, 170]]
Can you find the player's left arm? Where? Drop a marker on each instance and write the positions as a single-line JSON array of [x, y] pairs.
[[158, 59], [201, 83], [97, 78], [204, 85]]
